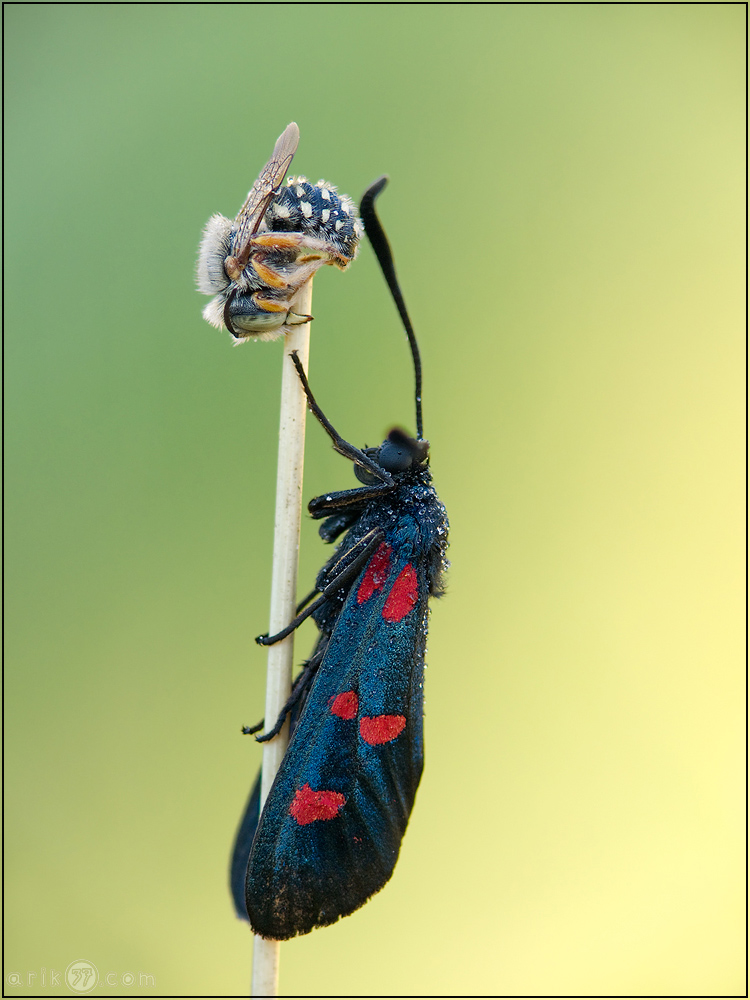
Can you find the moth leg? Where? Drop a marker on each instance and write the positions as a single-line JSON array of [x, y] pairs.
[[300, 688], [347, 567], [337, 523], [249, 730], [352, 559], [297, 690], [295, 701], [306, 600], [313, 593], [345, 499]]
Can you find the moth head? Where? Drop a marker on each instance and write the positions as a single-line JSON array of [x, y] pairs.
[[398, 453]]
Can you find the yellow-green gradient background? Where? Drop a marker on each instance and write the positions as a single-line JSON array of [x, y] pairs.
[[566, 212]]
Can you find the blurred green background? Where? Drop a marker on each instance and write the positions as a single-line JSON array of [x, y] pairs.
[[567, 216]]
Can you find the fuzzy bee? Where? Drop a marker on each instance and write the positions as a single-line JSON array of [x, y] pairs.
[[255, 265]]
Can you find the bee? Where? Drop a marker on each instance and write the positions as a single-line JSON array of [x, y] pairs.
[[255, 265]]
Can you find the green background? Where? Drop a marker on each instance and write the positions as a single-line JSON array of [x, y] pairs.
[[566, 212]]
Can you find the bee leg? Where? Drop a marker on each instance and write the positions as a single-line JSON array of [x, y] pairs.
[[267, 303], [313, 247], [269, 275]]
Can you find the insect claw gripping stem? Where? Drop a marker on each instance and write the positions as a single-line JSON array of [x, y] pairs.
[[269, 640]]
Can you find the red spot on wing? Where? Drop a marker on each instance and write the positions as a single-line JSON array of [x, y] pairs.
[[309, 806], [375, 574], [403, 595], [381, 728], [344, 705]]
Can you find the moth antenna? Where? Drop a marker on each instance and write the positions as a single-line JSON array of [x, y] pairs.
[[379, 243]]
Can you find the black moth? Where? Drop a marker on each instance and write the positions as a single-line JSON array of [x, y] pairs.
[[330, 831]]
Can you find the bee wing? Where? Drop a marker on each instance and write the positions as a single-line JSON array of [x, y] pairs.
[[330, 831], [251, 214]]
